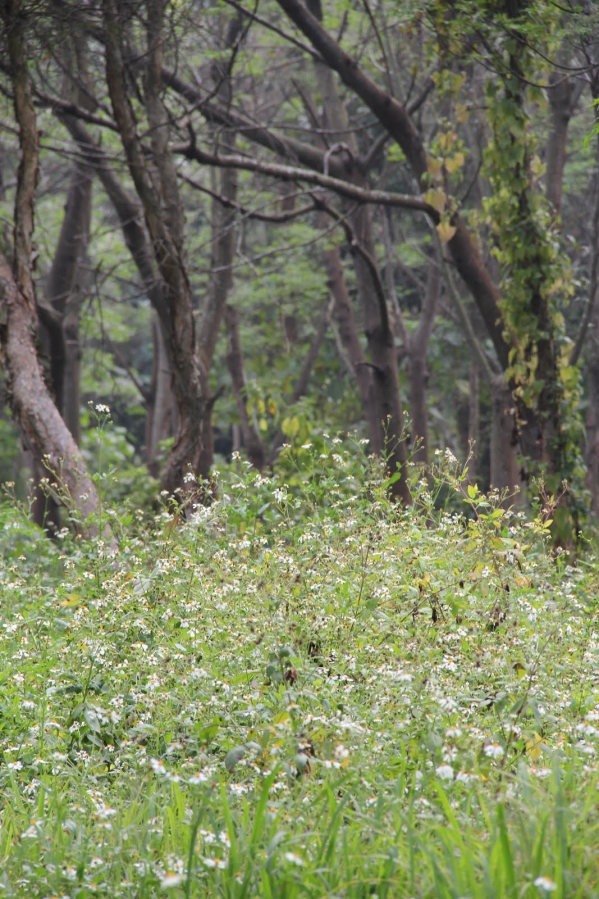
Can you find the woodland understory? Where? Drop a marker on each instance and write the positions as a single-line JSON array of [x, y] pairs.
[[257, 223]]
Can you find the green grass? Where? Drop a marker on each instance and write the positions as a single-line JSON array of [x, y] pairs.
[[301, 692]]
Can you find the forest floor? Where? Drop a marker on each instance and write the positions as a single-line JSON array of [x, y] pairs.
[[301, 691]]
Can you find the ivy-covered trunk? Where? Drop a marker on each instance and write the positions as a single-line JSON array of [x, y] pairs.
[[533, 270]]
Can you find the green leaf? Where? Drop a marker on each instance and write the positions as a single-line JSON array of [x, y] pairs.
[[234, 756]]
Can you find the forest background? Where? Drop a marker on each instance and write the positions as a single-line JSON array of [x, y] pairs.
[[269, 223]]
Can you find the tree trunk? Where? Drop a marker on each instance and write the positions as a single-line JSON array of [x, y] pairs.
[[157, 188], [160, 423], [43, 429], [384, 399], [563, 97], [417, 355], [474, 419], [65, 290], [504, 438], [251, 437], [350, 340]]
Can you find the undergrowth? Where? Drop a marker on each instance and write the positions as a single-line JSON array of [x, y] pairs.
[[300, 691]]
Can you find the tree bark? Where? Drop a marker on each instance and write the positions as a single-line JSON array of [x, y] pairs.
[[504, 437], [223, 246], [160, 422], [384, 394], [563, 97], [252, 440], [158, 191], [350, 341], [64, 291], [39, 419], [417, 355]]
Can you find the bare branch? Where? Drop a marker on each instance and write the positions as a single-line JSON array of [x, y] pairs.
[[292, 173], [277, 218]]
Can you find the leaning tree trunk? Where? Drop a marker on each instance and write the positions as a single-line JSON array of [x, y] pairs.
[[36, 413], [33, 407]]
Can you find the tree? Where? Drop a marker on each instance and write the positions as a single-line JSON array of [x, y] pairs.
[[41, 424]]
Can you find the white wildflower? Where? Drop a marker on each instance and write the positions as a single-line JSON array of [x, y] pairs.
[[171, 879], [493, 751]]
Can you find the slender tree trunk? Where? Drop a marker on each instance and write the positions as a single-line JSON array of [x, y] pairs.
[[384, 399], [504, 437], [252, 440], [474, 418], [160, 423], [417, 347], [348, 333], [304, 377], [563, 97]]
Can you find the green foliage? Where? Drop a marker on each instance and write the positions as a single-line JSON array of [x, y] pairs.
[[300, 691], [515, 43], [107, 450]]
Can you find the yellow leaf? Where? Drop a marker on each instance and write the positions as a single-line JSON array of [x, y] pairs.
[[447, 140], [520, 670], [261, 406], [436, 199], [537, 166], [291, 426], [71, 602], [262, 424], [434, 166], [534, 747], [455, 163], [462, 113], [271, 407], [445, 230]]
